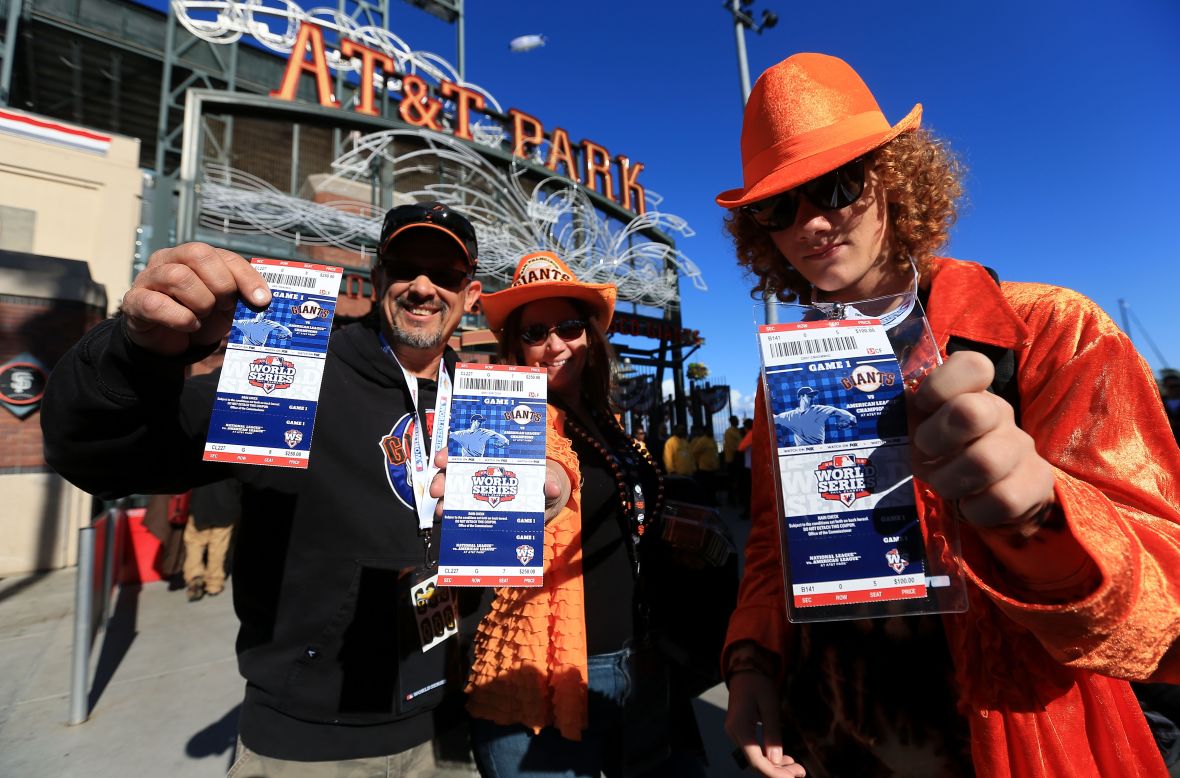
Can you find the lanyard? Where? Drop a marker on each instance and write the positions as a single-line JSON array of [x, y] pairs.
[[422, 460], [888, 320]]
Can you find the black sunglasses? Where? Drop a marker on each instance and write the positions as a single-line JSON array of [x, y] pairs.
[[449, 278], [830, 192], [569, 329]]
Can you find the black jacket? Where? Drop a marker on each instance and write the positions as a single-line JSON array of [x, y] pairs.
[[328, 643]]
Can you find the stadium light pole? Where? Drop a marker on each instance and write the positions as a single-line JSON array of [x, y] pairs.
[[450, 11], [743, 20]]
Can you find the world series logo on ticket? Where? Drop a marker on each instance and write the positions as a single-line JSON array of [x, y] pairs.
[[264, 410], [493, 528], [838, 422]]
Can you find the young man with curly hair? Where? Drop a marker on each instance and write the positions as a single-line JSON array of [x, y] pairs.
[[1068, 510]]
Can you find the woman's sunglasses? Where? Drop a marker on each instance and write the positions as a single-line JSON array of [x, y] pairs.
[[830, 192], [569, 329]]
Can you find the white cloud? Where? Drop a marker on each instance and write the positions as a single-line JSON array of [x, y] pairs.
[[742, 404]]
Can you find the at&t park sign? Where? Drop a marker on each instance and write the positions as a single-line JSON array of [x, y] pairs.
[[383, 62]]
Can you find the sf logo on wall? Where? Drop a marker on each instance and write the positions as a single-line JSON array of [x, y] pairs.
[[22, 385]]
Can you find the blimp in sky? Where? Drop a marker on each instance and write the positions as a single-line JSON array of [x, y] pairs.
[[526, 42]]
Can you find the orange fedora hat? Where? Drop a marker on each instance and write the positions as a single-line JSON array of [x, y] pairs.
[[542, 275], [806, 116]]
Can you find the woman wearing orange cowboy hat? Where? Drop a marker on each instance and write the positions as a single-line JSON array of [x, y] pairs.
[[1070, 527], [562, 682]]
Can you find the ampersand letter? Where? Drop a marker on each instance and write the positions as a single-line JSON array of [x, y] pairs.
[[417, 107]]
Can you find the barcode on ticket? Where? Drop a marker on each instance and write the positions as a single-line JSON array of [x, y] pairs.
[[798, 348], [482, 384], [288, 279]]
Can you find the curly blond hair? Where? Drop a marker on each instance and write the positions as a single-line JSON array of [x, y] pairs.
[[923, 182]]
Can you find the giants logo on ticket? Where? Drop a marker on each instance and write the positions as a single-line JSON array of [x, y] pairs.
[[311, 310]]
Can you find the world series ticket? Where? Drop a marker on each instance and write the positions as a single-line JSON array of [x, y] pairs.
[[838, 420], [265, 406], [493, 527]]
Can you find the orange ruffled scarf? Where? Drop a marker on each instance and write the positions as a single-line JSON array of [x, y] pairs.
[[530, 650]]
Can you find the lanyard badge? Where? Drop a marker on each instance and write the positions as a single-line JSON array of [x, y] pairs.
[[435, 609], [421, 458]]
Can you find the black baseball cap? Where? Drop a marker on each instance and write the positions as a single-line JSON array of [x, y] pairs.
[[432, 215]]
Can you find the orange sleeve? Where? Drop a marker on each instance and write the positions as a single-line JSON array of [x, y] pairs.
[[761, 613], [1091, 405]]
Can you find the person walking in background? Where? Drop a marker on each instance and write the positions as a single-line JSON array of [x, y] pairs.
[[677, 456], [1170, 392], [703, 448], [640, 438], [732, 461], [214, 510], [1070, 528], [165, 516], [745, 452]]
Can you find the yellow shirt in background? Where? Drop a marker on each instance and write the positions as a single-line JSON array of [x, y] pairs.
[[733, 437], [704, 453], [678, 459]]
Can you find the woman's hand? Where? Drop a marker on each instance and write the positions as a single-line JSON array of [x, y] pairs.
[[968, 448], [438, 484], [754, 700], [557, 486]]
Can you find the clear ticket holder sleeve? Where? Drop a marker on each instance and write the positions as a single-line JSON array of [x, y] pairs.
[[835, 377]]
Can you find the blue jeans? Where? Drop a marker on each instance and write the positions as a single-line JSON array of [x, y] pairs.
[[622, 698]]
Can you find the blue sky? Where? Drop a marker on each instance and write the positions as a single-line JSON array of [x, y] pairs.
[[1065, 114]]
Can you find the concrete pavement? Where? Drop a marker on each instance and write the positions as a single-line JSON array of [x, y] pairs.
[[164, 686]]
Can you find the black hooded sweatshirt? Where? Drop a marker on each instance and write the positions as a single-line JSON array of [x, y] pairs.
[[328, 642]]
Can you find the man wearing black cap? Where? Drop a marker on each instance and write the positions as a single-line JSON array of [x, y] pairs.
[[326, 556]]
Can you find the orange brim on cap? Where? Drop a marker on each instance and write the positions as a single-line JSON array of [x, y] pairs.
[[800, 159], [420, 225], [542, 276]]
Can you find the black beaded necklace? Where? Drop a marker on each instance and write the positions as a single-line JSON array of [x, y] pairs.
[[624, 459]]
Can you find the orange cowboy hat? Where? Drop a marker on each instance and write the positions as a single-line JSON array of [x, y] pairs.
[[542, 275], [806, 116]]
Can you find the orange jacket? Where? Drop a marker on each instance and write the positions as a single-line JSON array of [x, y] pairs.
[[1089, 402]]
